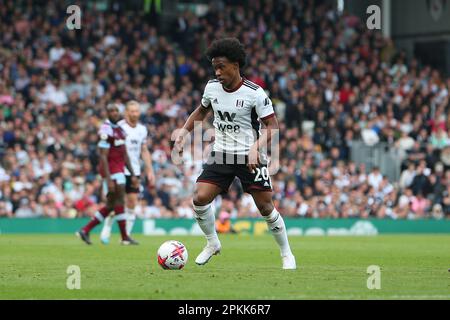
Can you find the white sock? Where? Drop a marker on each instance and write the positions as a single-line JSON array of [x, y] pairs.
[[277, 227], [207, 222], [131, 218], [107, 226]]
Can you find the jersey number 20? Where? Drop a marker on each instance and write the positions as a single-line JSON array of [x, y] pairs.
[[261, 174]]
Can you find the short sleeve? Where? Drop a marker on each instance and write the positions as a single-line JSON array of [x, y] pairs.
[[206, 98], [264, 108], [104, 133]]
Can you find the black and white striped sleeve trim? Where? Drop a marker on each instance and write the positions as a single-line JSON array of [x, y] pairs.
[[251, 85]]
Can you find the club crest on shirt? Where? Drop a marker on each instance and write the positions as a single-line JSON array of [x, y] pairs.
[[239, 103]]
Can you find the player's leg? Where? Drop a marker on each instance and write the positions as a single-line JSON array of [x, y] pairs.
[[109, 221], [275, 222], [119, 210], [98, 217], [105, 234], [130, 203], [259, 185], [204, 194], [215, 179], [131, 200]]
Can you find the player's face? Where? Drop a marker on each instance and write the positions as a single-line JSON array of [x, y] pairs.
[[132, 113], [113, 114], [225, 71]]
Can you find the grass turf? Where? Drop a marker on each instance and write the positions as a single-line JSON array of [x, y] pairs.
[[412, 267]]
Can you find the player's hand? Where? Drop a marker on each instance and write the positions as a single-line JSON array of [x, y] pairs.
[[253, 159], [111, 185], [151, 179], [134, 182], [179, 142]]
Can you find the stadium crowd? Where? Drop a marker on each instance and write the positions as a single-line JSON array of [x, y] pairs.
[[318, 67]]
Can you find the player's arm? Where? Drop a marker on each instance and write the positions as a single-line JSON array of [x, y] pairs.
[[128, 163], [271, 126], [103, 155], [103, 151], [148, 164], [265, 112], [199, 114]]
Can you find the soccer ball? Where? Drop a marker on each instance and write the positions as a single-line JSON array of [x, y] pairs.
[[173, 255]]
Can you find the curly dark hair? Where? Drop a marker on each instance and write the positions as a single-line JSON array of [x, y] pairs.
[[229, 48]]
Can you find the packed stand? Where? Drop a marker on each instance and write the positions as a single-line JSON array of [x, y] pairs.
[[331, 81]]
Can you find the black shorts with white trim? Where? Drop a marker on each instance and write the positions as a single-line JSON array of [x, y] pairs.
[[222, 168]]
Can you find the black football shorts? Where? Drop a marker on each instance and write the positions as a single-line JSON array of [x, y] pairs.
[[221, 169], [129, 187]]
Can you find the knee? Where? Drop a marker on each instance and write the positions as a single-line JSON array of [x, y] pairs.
[[201, 198], [266, 208]]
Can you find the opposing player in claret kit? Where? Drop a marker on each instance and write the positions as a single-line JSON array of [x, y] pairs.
[[136, 145], [113, 159], [239, 107]]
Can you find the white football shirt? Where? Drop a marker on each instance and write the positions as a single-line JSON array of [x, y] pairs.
[[136, 137], [237, 115]]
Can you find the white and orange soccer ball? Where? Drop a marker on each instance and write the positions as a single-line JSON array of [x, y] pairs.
[[172, 255]]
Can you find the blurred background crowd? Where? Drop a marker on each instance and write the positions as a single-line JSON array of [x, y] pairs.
[[332, 82]]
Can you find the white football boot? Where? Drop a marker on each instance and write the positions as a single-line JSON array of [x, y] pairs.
[[207, 253], [289, 262]]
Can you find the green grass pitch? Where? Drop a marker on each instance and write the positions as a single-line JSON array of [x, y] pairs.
[[412, 267]]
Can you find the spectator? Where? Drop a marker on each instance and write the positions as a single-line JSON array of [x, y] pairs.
[[375, 178], [27, 210], [419, 205], [420, 183], [403, 208], [439, 139], [407, 176], [223, 223]]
